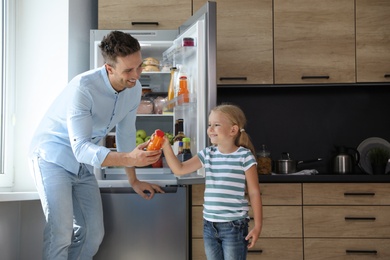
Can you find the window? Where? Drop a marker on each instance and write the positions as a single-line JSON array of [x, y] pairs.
[[7, 71]]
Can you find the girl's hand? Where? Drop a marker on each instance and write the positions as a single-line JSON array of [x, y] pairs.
[[252, 237], [166, 142]]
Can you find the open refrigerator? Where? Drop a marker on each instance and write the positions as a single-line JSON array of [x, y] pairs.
[[160, 228], [198, 62]]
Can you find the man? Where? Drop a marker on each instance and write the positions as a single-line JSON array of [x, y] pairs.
[[65, 149]]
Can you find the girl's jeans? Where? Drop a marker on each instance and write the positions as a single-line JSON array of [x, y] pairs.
[[225, 240], [73, 210]]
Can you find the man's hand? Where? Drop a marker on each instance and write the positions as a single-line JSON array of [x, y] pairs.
[[144, 158], [146, 190]]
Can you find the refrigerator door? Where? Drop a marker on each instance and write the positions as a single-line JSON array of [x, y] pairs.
[[198, 63], [139, 229]]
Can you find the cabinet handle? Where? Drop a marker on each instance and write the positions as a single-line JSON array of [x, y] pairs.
[[360, 218], [144, 23], [387, 75], [259, 251], [233, 78], [371, 252], [359, 193], [315, 77]]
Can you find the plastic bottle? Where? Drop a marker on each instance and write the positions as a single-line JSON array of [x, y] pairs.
[[156, 141], [186, 149], [264, 162], [183, 90]]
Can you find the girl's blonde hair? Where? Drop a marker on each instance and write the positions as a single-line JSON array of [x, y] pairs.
[[237, 117]]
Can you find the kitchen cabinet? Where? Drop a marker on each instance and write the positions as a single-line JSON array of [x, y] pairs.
[[142, 15], [244, 41], [314, 41], [281, 237], [346, 220], [373, 40]]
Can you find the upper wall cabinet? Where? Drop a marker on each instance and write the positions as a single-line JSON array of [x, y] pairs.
[[373, 40], [143, 15], [244, 41], [314, 41]]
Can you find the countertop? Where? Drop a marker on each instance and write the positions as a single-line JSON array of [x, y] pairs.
[[323, 178]]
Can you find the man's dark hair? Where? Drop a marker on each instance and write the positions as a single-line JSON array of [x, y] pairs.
[[118, 43]]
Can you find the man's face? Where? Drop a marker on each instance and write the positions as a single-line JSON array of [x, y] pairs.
[[125, 72]]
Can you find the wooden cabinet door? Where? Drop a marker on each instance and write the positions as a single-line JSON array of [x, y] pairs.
[[346, 221], [346, 249], [314, 41], [346, 194], [373, 40], [244, 41], [143, 15]]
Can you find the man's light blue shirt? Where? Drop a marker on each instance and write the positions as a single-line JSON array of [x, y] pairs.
[[83, 114]]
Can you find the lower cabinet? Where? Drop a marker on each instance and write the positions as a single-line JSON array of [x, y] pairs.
[[346, 221], [314, 221]]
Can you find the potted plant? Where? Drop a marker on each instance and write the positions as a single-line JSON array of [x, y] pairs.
[[379, 158]]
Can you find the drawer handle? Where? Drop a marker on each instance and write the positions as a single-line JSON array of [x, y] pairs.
[[144, 23], [233, 78], [359, 193], [259, 251], [371, 252], [387, 75], [360, 218], [315, 77]]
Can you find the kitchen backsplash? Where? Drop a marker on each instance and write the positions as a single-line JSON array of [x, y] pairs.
[[308, 122]]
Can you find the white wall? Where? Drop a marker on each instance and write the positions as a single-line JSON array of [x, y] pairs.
[[52, 46]]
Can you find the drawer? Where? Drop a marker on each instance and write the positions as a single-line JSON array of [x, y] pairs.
[[347, 221], [281, 248], [281, 194], [278, 221], [346, 194], [346, 249]]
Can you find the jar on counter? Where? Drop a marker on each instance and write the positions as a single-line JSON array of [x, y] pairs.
[[264, 161]]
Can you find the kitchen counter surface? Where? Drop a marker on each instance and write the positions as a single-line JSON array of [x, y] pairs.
[[318, 178]]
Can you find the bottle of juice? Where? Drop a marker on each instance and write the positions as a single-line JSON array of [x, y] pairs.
[[156, 141], [171, 89], [183, 90]]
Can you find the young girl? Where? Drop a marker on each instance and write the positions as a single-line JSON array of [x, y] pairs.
[[230, 168]]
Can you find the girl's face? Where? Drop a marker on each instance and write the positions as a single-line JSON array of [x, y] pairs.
[[220, 129]]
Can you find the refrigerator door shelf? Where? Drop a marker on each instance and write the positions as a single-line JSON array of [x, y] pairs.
[[178, 103], [178, 53]]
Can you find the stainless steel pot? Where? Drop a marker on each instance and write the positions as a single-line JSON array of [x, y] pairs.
[[286, 165]]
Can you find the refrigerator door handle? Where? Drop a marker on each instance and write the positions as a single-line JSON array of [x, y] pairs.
[[129, 190]]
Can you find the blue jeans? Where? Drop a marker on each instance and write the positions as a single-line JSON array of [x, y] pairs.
[[73, 209], [225, 240]]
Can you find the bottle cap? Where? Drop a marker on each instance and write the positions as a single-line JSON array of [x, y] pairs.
[[186, 139], [159, 133], [183, 77]]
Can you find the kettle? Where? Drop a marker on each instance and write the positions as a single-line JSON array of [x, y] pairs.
[[345, 159]]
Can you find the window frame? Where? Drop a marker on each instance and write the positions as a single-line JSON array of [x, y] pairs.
[[7, 92]]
